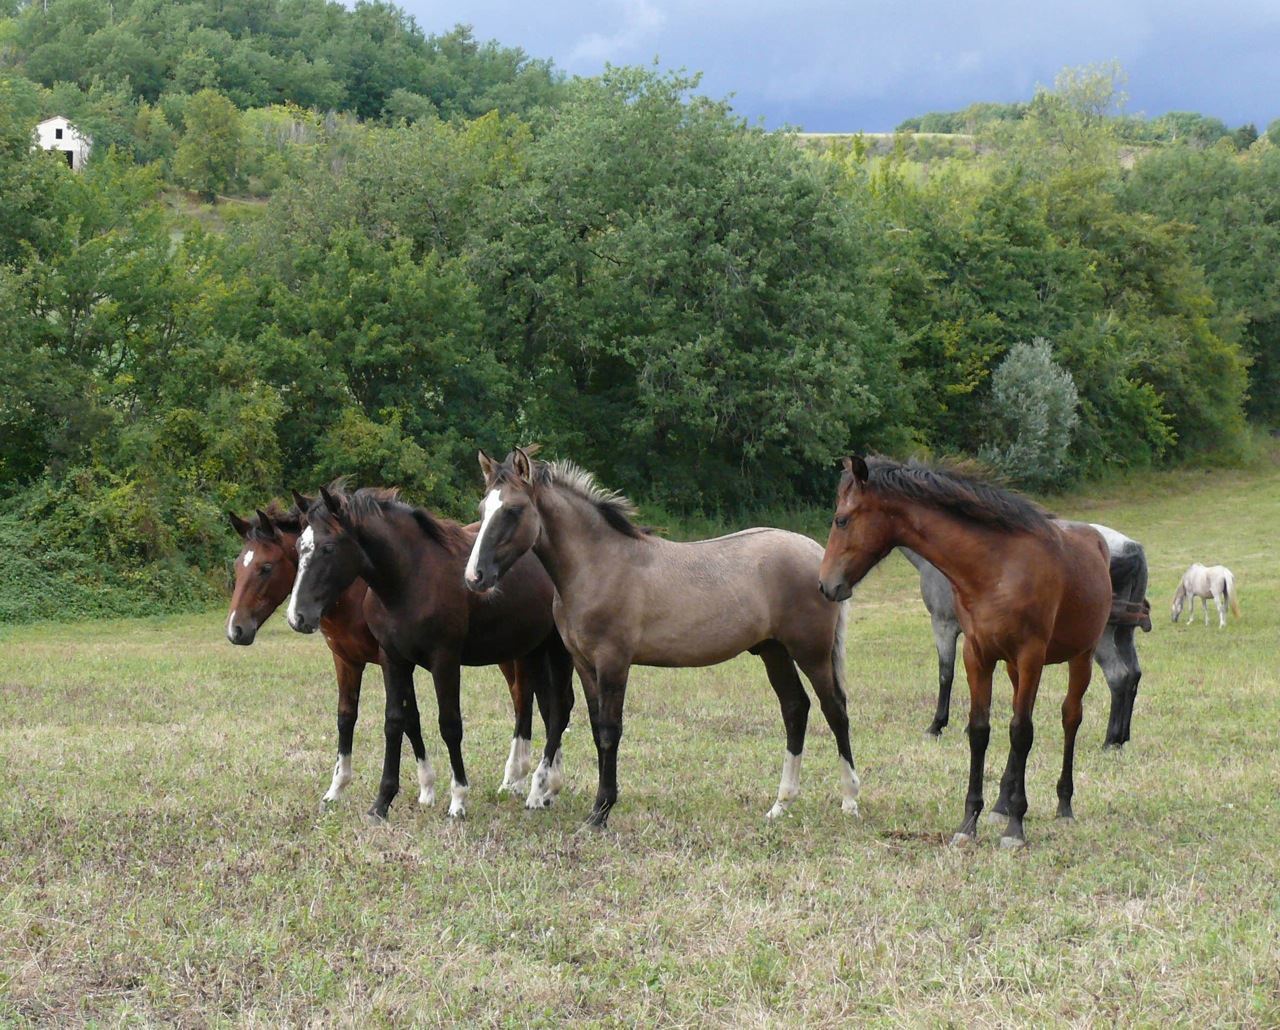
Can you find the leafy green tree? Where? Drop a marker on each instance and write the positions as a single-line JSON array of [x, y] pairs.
[[208, 158]]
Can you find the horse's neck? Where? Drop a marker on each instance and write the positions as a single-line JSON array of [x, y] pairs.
[[574, 537], [399, 555], [934, 535]]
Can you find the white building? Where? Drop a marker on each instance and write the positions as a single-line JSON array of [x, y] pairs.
[[58, 134]]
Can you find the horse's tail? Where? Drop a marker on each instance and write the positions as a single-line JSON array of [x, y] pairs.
[[837, 650], [1229, 593]]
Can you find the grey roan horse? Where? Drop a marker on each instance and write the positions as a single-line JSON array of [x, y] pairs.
[[1115, 655], [627, 597]]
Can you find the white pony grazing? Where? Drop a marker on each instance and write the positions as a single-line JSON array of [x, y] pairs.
[[1204, 583]]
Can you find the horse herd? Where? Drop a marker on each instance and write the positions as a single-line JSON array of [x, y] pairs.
[[557, 576]]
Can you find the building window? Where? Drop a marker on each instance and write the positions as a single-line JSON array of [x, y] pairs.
[[57, 134]]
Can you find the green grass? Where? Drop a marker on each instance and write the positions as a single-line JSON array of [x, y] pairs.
[[164, 857]]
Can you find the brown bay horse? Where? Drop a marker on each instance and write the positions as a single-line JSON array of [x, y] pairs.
[[421, 614], [1031, 591], [264, 573], [627, 597]]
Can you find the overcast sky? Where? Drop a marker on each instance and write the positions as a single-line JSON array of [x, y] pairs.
[[868, 64]]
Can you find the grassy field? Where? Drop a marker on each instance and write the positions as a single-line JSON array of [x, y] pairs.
[[164, 856]]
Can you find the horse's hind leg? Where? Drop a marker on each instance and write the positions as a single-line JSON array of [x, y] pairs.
[[945, 634], [398, 677], [1080, 670], [831, 699], [1222, 610], [350, 675], [519, 759], [555, 700], [795, 718]]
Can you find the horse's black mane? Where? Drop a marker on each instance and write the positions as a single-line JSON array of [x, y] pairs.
[[288, 520], [959, 490], [371, 502]]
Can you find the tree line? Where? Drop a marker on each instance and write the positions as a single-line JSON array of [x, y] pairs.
[[704, 313]]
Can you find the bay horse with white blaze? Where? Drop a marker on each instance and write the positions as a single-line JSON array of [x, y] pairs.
[[627, 597], [1032, 591], [264, 573], [421, 615]]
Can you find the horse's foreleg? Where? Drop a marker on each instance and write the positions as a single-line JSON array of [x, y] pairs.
[[555, 701], [978, 671], [413, 730], [447, 675], [350, 676], [1000, 810], [398, 678], [519, 758], [794, 703], [1021, 737], [945, 635], [1080, 670], [606, 727]]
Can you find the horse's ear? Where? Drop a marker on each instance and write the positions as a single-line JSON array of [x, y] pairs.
[[266, 527], [857, 468], [302, 502], [522, 464], [238, 524], [334, 505], [487, 465]]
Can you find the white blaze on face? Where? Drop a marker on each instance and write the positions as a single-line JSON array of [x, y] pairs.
[[492, 502], [306, 547], [248, 558]]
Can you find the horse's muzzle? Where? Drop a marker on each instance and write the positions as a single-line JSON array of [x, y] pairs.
[[838, 591], [241, 635]]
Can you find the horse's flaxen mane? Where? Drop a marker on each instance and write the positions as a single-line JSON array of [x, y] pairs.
[[959, 491], [372, 502], [616, 509]]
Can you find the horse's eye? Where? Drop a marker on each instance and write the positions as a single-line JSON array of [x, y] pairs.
[[842, 521], [326, 548], [265, 570]]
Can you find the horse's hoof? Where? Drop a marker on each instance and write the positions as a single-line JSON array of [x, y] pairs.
[[590, 827], [935, 732], [777, 811], [964, 840], [329, 798], [538, 804], [850, 807], [997, 817], [372, 818], [1009, 843], [1066, 817], [427, 798]]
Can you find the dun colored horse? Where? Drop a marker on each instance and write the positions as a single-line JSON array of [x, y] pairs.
[[627, 597], [421, 614], [1115, 654], [1032, 591], [264, 573]]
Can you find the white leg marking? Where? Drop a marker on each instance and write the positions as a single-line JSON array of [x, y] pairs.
[[492, 502], [851, 786], [306, 547], [518, 763], [341, 778], [426, 782], [547, 781], [789, 787], [457, 799]]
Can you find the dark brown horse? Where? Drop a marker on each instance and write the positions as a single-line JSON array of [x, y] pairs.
[[1031, 591], [264, 572], [628, 597], [421, 615]]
